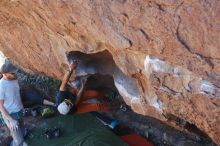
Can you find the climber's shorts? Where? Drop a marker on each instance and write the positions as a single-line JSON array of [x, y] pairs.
[[61, 95]]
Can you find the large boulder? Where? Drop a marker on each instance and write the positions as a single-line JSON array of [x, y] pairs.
[[164, 54]]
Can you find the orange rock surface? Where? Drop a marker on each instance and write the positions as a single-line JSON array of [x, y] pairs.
[[165, 54]]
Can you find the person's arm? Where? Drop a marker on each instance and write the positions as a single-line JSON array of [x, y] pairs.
[[79, 94], [11, 123], [67, 76]]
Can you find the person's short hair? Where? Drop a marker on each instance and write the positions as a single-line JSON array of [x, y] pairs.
[[63, 108], [7, 67]]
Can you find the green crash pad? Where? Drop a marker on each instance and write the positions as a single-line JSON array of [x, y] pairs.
[[76, 130]]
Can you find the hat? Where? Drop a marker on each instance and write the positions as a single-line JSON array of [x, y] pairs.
[[8, 68], [63, 108]]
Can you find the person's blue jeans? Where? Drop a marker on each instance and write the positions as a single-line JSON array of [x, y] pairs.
[[18, 135]]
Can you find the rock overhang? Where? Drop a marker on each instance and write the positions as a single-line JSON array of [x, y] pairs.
[[169, 49]]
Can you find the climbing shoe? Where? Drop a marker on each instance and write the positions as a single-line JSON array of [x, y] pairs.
[[52, 133]]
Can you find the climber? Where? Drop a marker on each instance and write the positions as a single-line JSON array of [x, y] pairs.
[[76, 101], [11, 105]]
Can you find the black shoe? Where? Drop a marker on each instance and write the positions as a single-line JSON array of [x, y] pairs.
[[48, 133], [34, 113], [26, 112]]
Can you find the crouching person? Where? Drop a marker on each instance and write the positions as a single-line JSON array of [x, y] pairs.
[[11, 105]]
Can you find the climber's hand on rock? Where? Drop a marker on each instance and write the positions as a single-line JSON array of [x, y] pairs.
[[73, 65]]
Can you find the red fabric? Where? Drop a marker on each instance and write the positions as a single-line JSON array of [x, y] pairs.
[[135, 140], [89, 94], [95, 107], [87, 107]]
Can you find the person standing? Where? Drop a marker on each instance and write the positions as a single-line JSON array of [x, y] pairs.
[[11, 105]]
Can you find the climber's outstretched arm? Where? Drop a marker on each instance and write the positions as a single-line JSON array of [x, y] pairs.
[[68, 75]]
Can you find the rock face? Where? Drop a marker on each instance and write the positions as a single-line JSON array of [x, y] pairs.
[[164, 54]]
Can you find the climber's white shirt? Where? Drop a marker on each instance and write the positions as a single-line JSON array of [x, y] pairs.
[[10, 93]]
